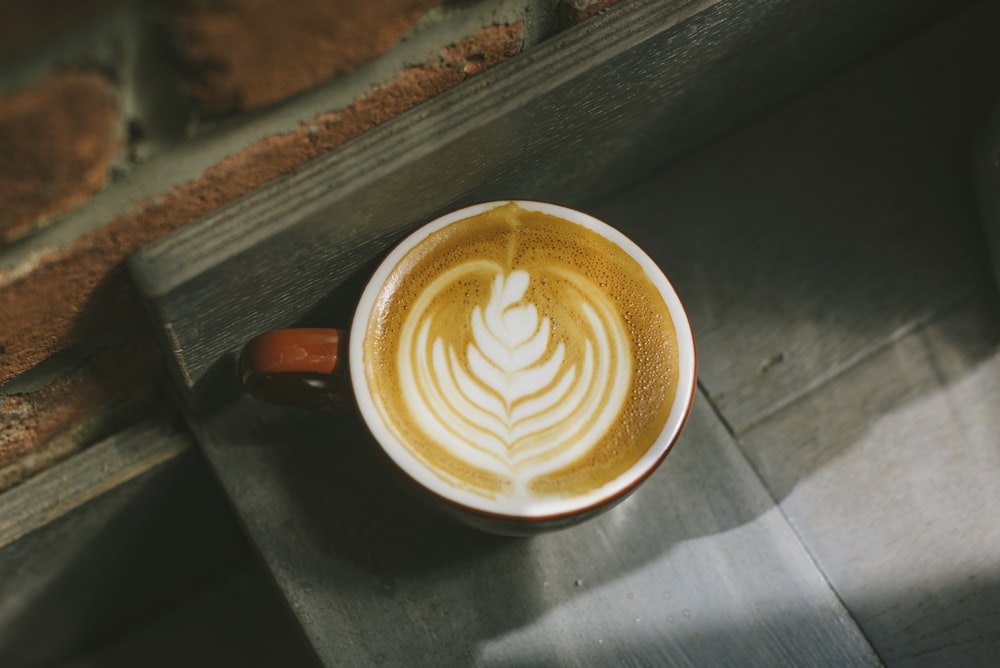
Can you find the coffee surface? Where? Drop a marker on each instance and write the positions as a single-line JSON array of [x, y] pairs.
[[515, 353]]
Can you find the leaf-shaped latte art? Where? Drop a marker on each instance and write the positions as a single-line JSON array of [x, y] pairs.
[[510, 401]]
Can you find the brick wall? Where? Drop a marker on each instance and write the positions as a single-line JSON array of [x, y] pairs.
[[123, 120]]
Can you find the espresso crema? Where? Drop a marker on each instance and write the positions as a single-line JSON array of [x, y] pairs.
[[518, 354]]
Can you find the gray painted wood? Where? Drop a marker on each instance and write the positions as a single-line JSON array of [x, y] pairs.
[[236, 620], [812, 243], [810, 238], [106, 537], [986, 173], [569, 121], [848, 331], [97, 470], [698, 568], [891, 474]]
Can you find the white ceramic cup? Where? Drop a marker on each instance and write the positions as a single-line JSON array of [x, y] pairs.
[[293, 366]]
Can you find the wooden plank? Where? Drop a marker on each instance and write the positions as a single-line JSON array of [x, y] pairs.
[[88, 475], [986, 175], [106, 537], [698, 568], [842, 300], [807, 240], [238, 619], [370, 576], [569, 121], [891, 474]]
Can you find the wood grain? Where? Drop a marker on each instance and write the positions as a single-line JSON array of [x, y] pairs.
[[848, 330], [986, 175], [891, 474], [579, 116], [804, 243], [105, 538], [807, 240], [697, 568], [86, 476]]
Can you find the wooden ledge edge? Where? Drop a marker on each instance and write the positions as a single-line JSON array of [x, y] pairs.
[[86, 476]]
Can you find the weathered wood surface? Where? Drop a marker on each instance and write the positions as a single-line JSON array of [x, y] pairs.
[[804, 242], [891, 475], [109, 464], [573, 119], [839, 286], [698, 568], [235, 620], [986, 172], [108, 536]]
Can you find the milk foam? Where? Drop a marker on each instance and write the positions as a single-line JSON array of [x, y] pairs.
[[511, 403], [518, 361]]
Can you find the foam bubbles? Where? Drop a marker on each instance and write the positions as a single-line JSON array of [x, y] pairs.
[[519, 353], [512, 402]]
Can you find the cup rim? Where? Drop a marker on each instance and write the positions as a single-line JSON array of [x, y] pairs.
[[541, 509]]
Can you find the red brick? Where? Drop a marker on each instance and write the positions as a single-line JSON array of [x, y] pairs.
[[581, 10], [80, 293], [57, 141], [23, 24], [243, 54], [40, 428]]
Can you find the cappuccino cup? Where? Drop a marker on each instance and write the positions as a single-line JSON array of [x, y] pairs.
[[523, 366]]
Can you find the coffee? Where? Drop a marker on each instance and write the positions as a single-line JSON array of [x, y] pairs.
[[518, 355]]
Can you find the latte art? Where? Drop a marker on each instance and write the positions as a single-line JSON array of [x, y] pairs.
[[511, 403], [516, 355]]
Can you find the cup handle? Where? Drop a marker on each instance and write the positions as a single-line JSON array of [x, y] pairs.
[[303, 367]]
